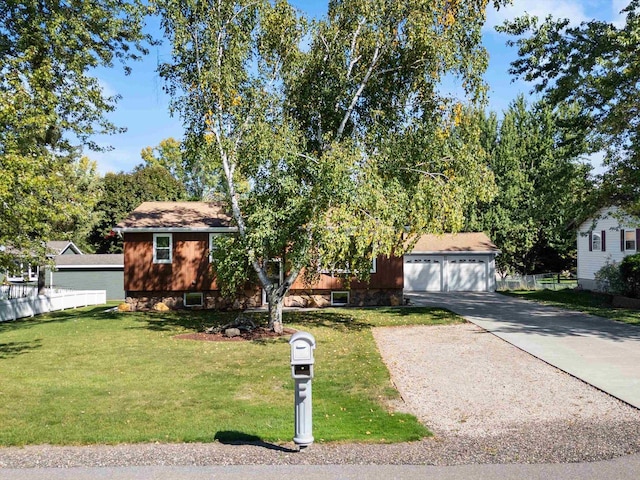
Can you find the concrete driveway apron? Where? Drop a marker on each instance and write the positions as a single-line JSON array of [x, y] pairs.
[[599, 351]]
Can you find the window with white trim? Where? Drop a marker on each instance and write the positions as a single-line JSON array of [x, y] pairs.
[[162, 248], [193, 299], [339, 299], [596, 242]]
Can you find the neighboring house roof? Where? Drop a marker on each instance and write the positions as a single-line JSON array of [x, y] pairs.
[[60, 247], [177, 216], [54, 248], [109, 260], [473, 242]]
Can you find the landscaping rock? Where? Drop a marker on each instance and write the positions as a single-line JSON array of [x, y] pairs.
[[232, 332], [160, 307], [125, 307]]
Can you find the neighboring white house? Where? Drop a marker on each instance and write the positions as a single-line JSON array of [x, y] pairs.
[[607, 237], [463, 262]]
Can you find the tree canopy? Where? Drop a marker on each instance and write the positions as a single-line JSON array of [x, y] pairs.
[[593, 65], [332, 135], [50, 103], [543, 181], [199, 182]]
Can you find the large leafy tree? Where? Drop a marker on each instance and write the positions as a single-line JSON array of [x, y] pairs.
[[121, 193], [199, 182], [331, 135], [543, 186], [593, 65], [50, 104]]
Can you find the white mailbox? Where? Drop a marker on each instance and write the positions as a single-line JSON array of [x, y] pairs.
[[302, 346]]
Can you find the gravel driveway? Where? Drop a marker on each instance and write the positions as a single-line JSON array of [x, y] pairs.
[[485, 400]]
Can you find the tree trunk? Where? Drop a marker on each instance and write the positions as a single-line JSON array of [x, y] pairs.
[[41, 280], [275, 312]]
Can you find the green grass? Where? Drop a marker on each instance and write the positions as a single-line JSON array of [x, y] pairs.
[[584, 301], [87, 376]]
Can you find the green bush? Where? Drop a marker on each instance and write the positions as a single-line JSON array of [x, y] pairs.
[[630, 274], [609, 279]]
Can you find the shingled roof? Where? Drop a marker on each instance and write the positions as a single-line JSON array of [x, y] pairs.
[[93, 260], [473, 242], [176, 216]]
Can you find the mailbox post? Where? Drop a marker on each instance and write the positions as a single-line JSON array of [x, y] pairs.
[[302, 346]]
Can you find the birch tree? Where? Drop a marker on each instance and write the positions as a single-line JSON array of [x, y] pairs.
[[332, 135]]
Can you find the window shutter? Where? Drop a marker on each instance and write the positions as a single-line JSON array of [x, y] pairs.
[[622, 240], [637, 239], [590, 241], [603, 239]]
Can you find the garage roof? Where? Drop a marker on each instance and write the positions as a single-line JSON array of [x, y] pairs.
[[472, 242], [107, 260]]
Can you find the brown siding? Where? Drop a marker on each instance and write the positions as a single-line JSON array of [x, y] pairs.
[[189, 271], [389, 274]]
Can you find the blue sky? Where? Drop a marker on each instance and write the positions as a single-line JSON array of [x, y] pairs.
[[144, 107]]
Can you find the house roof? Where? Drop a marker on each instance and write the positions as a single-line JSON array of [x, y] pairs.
[[60, 246], [177, 216], [111, 260], [472, 242]]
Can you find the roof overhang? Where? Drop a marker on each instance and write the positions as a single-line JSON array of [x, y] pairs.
[[88, 267], [121, 230], [454, 252]]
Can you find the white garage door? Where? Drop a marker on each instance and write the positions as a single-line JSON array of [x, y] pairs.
[[451, 273], [467, 274], [423, 273]]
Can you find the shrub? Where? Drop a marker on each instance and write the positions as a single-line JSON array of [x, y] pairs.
[[609, 280], [630, 274]]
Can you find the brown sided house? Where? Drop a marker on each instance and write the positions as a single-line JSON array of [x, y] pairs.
[[166, 258]]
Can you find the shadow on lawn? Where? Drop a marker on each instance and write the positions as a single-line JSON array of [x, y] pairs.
[[13, 349], [195, 320], [339, 320], [232, 437]]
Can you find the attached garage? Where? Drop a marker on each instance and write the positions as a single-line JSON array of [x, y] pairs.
[[463, 262]]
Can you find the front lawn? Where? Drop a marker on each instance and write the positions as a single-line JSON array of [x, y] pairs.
[[88, 376], [583, 301]]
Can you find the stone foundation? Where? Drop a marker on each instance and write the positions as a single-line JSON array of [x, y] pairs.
[[357, 298], [213, 300]]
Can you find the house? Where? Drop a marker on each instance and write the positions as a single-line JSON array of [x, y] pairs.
[[89, 272], [609, 236], [462, 262], [166, 259], [25, 271]]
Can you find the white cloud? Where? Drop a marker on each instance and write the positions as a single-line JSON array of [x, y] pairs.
[[571, 9], [116, 160], [617, 18], [107, 89]]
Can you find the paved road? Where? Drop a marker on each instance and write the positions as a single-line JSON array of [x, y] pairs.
[[599, 351], [625, 468]]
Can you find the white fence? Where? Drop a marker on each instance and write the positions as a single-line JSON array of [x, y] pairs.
[[551, 281], [52, 301]]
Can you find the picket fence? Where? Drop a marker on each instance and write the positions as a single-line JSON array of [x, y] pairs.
[[53, 300]]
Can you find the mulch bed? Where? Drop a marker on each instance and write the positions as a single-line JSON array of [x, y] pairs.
[[259, 333]]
